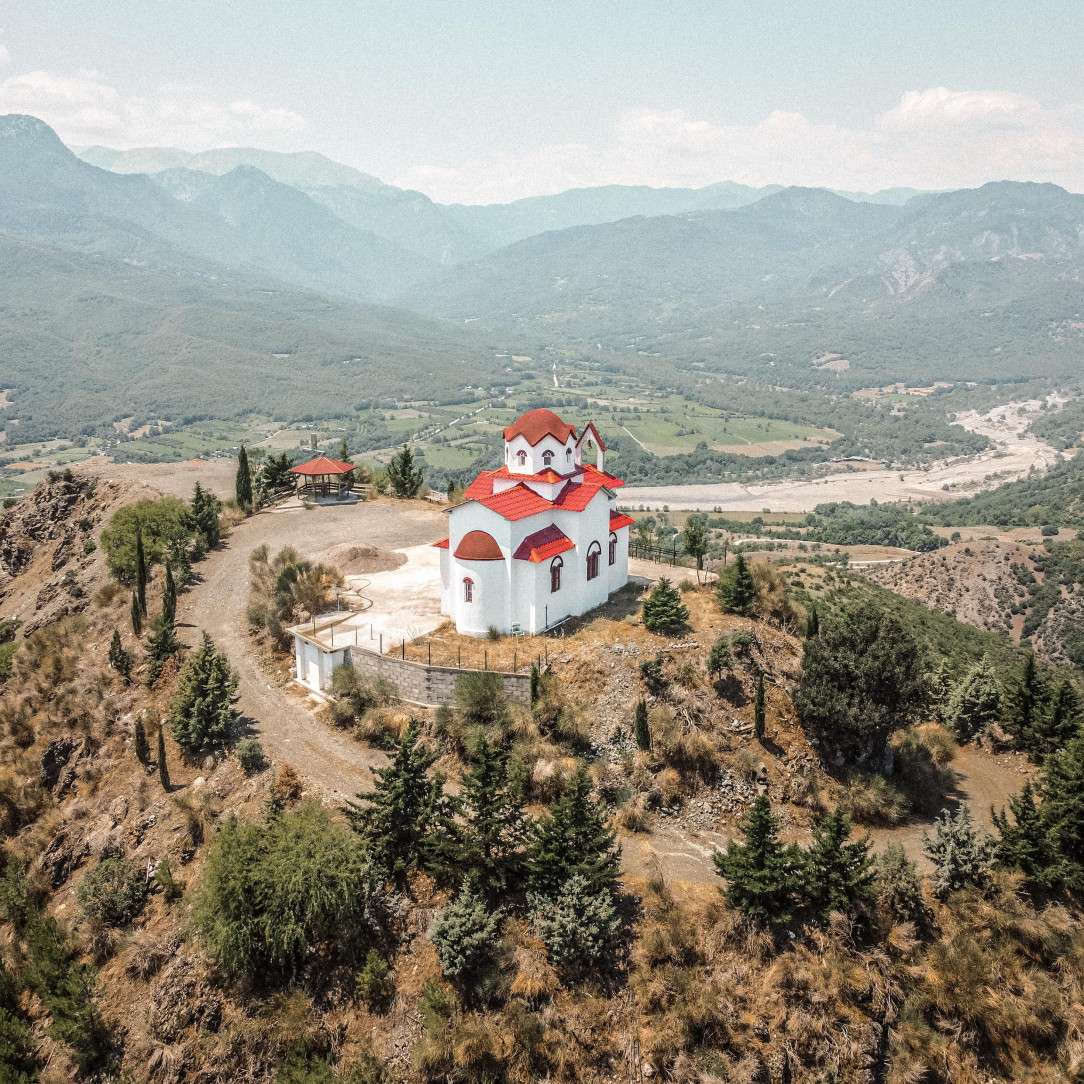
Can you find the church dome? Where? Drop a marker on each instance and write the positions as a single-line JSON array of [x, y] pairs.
[[539, 423], [478, 546]]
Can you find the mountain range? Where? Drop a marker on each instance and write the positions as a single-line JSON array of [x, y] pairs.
[[260, 270]]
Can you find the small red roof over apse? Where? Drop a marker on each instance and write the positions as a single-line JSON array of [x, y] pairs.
[[322, 465], [478, 546], [539, 423]]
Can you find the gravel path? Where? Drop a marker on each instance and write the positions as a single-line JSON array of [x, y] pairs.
[[333, 764]]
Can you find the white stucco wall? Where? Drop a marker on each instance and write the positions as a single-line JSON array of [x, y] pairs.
[[314, 666]]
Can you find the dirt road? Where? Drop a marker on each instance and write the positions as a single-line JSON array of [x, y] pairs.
[[333, 764], [1014, 453]]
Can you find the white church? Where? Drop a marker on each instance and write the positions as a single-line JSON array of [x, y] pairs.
[[538, 540]]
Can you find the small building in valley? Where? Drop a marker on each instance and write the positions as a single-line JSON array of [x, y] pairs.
[[538, 540]]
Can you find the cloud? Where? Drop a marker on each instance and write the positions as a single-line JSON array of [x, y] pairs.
[[935, 138], [84, 108], [5, 55]]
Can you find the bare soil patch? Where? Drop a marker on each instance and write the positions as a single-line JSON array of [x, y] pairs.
[[358, 559]]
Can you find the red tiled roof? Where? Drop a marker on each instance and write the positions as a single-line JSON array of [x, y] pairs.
[[515, 503], [478, 546], [619, 520], [539, 423], [321, 465], [575, 498], [598, 440], [599, 477], [482, 486], [548, 475], [442, 544], [543, 544]]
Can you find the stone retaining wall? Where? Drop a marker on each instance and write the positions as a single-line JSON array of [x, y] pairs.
[[421, 684]]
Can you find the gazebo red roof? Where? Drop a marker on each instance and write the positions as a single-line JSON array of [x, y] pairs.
[[322, 466]]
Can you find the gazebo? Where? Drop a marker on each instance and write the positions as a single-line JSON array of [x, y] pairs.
[[323, 477]]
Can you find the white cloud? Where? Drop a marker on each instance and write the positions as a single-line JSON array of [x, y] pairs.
[[84, 108], [936, 138], [5, 55]]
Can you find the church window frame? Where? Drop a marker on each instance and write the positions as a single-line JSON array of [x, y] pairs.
[[468, 589], [555, 575], [613, 548], [594, 555]]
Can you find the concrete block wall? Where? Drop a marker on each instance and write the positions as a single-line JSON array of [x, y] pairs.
[[421, 684]]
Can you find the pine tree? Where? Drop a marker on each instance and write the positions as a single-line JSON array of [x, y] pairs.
[[975, 702], [1062, 790], [137, 615], [169, 598], [494, 827], [1053, 728], [464, 934], [720, 657], [1024, 702], [737, 589], [663, 611], [163, 646], [535, 683], [812, 622], [140, 746], [762, 874], [119, 659], [960, 853], [405, 481], [694, 540], [243, 481], [642, 727], [202, 713], [1026, 844], [406, 819], [840, 875], [206, 508], [140, 572], [759, 710], [163, 767], [572, 839], [577, 926]]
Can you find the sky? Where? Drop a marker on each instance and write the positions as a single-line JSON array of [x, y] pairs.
[[481, 101]]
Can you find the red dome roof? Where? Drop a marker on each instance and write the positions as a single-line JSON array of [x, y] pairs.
[[539, 423], [478, 546]]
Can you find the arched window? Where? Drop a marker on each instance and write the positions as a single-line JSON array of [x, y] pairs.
[[555, 574], [521, 458], [568, 453], [613, 548], [594, 552], [547, 459], [468, 589]]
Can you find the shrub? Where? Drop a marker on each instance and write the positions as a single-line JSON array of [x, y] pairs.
[[663, 611], [642, 727], [771, 601], [283, 587], [493, 634], [736, 590], [480, 699], [651, 673], [871, 800], [862, 678], [161, 522], [740, 641], [373, 985], [355, 695], [250, 755], [899, 886], [960, 853], [922, 772], [463, 934], [720, 657], [114, 891], [274, 892], [577, 925]]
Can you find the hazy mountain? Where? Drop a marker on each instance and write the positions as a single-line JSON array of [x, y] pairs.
[[280, 230], [244, 222]]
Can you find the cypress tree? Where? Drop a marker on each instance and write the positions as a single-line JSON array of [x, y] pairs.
[[840, 875], [762, 874], [243, 481], [139, 741], [169, 597], [163, 646], [536, 683], [494, 828], [663, 611], [119, 659], [205, 512], [642, 727], [570, 839], [202, 713], [137, 615], [737, 589], [759, 710], [141, 572], [404, 479], [163, 767], [405, 820], [812, 622], [344, 451]]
